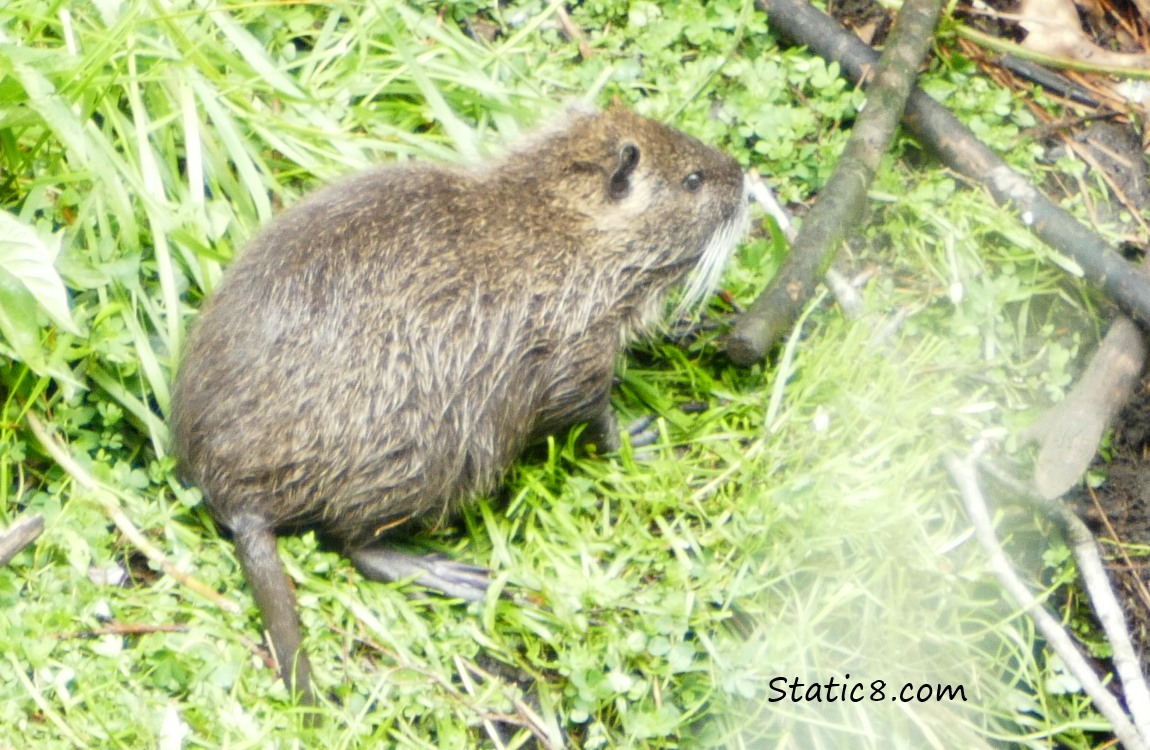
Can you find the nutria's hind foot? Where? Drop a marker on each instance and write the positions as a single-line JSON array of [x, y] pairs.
[[435, 571]]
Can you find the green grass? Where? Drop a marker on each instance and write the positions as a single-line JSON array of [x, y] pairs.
[[800, 527]]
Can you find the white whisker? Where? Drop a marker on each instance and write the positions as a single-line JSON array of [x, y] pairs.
[[704, 278]]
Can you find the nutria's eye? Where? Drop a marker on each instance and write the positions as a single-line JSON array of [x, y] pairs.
[[693, 181]]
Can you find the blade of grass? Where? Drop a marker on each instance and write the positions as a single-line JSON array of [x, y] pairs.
[[154, 199], [462, 136]]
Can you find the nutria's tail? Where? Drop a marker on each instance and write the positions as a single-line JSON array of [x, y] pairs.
[[256, 548]]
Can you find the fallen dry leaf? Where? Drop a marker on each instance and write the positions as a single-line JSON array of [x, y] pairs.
[[1052, 28]]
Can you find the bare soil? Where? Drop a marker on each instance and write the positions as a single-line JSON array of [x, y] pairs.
[[1118, 512]]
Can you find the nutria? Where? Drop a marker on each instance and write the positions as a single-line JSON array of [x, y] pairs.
[[382, 351]]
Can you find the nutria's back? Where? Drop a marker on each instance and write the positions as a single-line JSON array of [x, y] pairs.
[[390, 344]]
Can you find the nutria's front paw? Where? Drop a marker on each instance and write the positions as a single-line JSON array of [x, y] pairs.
[[643, 431]]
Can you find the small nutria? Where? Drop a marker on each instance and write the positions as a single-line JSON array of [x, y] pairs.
[[383, 351]]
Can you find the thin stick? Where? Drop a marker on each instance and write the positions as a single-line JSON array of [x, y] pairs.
[[122, 629], [573, 32], [965, 476], [1051, 61], [469, 686], [532, 720], [108, 497]]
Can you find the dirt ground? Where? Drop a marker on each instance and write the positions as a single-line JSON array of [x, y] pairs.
[[1119, 511]]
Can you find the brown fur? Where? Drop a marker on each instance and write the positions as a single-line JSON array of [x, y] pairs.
[[384, 350]]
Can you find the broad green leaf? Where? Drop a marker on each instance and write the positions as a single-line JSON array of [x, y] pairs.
[[18, 319], [21, 331], [28, 258]]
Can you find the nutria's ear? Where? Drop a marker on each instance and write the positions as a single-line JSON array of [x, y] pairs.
[[620, 184]]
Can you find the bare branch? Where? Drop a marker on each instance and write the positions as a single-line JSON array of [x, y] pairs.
[[843, 199]]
